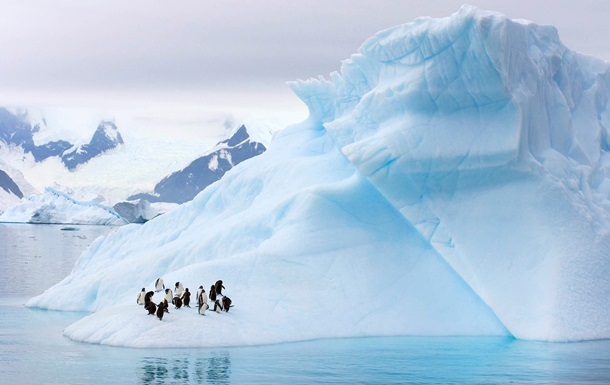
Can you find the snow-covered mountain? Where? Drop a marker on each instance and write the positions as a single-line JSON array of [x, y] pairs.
[[16, 130], [452, 179], [13, 187], [9, 189], [106, 137], [182, 186], [55, 206]]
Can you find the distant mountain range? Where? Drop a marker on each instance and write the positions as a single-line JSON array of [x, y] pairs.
[[16, 130], [182, 186]]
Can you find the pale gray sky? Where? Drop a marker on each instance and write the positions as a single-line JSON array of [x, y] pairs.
[[228, 51]]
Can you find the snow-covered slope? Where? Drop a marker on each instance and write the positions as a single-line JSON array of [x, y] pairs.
[[9, 191], [61, 207], [13, 187], [452, 179], [321, 255], [182, 186]]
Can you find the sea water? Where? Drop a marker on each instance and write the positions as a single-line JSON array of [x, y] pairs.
[[33, 349]]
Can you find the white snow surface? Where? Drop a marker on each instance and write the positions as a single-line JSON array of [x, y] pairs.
[[452, 179], [55, 206]]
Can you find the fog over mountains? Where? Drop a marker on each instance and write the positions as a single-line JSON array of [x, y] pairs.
[[16, 130], [63, 204]]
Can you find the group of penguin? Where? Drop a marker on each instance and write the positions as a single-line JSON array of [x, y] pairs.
[[183, 297]]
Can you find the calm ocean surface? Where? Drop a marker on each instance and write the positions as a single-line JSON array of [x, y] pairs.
[[33, 350]]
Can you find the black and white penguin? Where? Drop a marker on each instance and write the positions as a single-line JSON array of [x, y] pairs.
[[217, 306], [212, 293], [159, 285], [141, 295], [168, 299], [177, 302], [226, 303], [186, 298], [218, 286], [161, 310], [168, 295], [199, 293], [178, 289], [202, 301], [151, 307], [148, 298]]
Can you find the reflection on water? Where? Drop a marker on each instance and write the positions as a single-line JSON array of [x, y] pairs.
[[35, 257], [219, 368], [215, 368]]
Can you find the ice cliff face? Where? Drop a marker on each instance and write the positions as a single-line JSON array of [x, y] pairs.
[[182, 186], [490, 137], [136, 212], [453, 178]]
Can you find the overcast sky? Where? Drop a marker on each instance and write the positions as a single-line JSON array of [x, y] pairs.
[[226, 52]]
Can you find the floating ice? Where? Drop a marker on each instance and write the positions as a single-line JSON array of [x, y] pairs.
[[452, 179]]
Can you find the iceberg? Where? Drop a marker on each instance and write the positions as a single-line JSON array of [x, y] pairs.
[[490, 137], [55, 206], [451, 179], [140, 211]]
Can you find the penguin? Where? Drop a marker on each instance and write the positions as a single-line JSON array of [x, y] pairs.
[[168, 298], [178, 289], [168, 295], [177, 302], [186, 298], [212, 293], [141, 297], [159, 285], [151, 307], [199, 293], [226, 303], [217, 306], [161, 310], [218, 286], [202, 301], [148, 298]]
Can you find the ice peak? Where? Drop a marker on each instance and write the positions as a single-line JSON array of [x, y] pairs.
[[109, 130]]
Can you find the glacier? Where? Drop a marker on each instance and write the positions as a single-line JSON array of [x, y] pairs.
[[451, 179]]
